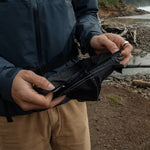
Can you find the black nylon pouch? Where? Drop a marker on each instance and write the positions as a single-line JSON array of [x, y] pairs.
[[83, 80]]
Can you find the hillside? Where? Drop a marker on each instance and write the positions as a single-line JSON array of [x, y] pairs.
[[110, 3], [137, 3], [115, 8]]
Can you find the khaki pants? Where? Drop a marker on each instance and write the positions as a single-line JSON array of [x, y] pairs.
[[65, 127]]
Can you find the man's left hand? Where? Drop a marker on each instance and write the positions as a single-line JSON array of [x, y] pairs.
[[111, 42]]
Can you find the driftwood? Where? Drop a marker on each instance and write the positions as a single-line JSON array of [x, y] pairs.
[[128, 32], [141, 84]]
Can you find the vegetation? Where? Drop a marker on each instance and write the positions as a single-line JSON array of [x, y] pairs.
[[137, 3], [115, 100], [110, 3]]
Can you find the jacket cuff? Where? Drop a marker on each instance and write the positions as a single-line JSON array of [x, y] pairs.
[[85, 31], [6, 82]]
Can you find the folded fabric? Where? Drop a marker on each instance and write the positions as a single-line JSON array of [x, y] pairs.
[[83, 80]]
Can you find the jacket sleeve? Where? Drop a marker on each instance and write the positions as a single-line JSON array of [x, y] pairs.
[[87, 22], [7, 74]]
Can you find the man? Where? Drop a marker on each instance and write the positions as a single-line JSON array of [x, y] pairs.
[[33, 33]]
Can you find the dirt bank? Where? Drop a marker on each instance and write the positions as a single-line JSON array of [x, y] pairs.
[[121, 121]]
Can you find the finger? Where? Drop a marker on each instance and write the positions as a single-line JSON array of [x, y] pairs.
[[31, 96], [127, 50], [111, 46], [57, 101], [40, 81], [117, 39], [126, 60], [29, 106]]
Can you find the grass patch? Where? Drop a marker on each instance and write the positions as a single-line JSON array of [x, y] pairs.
[[115, 100]]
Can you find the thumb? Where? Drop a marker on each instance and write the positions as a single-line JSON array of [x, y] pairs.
[[111, 46], [37, 80]]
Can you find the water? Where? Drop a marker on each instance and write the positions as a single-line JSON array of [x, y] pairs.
[[139, 17], [137, 60], [140, 20], [146, 8]]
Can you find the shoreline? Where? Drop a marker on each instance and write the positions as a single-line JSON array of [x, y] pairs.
[[127, 10]]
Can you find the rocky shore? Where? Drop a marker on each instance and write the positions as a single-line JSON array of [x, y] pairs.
[[139, 37]]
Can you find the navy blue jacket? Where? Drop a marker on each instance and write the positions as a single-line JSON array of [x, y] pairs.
[[33, 32]]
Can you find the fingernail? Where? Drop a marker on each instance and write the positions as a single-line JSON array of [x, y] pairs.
[[115, 50], [50, 87]]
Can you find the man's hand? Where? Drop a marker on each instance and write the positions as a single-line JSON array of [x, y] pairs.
[[111, 42], [26, 97]]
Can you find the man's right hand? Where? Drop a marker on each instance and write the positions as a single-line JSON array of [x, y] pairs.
[[26, 97]]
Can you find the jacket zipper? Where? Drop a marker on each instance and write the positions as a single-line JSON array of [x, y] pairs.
[[37, 32]]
